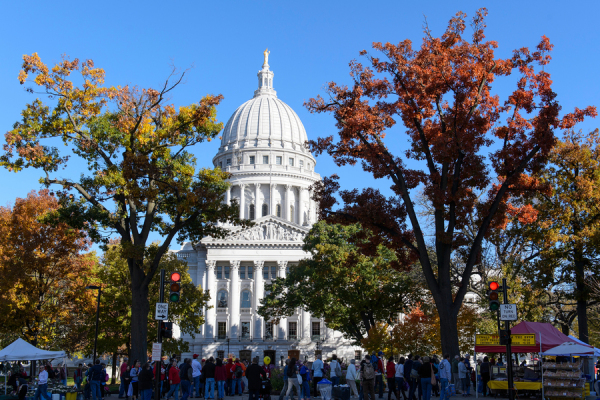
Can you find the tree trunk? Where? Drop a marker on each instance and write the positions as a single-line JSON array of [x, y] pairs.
[[114, 368], [139, 315], [581, 291], [448, 329], [565, 329]]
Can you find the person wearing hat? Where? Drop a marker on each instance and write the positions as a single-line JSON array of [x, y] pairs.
[[255, 374], [196, 372]]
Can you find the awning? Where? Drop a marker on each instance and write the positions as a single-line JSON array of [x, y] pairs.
[[20, 350]]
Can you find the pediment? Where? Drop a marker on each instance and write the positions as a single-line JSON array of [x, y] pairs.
[[267, 229]]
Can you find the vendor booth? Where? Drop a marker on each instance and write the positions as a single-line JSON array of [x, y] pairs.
[[528, 337]]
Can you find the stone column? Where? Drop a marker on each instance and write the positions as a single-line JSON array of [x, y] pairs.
[[234, 307], [212, 287], [258, 295], [302, 207], [286, 205], [283, 326], [272, 199], [200, 282], [242, 200], [306, 325], [257, 204], [228, 196]]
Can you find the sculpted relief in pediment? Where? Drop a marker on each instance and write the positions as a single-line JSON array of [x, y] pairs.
[[268, 231]]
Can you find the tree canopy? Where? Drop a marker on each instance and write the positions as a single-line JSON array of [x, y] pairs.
[[350, 290], [461, 140], [43, 275], [141, 176]]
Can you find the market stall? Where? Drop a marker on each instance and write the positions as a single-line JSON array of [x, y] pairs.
[[565, 378], [20, 350], [528, 337]]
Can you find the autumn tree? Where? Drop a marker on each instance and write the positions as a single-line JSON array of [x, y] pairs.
[[112, 273], [140, 176], [567, 230], [461, 139], [352, 290], [43, 274]]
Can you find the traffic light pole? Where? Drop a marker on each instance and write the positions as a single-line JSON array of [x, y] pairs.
[[509, 371], [157, 364]]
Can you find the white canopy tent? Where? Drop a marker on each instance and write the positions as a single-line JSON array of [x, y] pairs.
[[20, 350], [596, 350], [570, 349]]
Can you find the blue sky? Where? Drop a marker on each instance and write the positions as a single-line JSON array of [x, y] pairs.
[[311, 43]]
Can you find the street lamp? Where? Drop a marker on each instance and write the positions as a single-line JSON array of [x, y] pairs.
[[92, 287]]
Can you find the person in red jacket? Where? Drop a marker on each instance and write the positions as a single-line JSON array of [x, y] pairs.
[[230, 377], [174, 381], [390, 374], [220, 378]]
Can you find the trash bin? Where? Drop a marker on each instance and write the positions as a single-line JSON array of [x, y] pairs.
[[324, 387]]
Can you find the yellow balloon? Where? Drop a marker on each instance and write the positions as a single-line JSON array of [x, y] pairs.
[[267, 360]]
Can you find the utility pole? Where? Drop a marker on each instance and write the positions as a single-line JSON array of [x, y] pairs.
[[158, 364], [509, 371]]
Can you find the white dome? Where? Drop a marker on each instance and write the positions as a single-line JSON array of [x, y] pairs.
[[264, 121]]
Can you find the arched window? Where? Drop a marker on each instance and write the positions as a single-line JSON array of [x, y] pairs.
[[265, 210], [292, 213], [278, 210], [222, 299], [252, 211], [245, 301]]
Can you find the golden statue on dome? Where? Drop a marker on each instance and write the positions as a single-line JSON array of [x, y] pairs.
[[266, 53]]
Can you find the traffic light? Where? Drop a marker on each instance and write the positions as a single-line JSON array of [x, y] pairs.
[[166, 329], [504, 337], [175, 287], [493, 295]]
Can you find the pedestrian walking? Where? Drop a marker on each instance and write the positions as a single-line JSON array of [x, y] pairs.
[[208, 371], [367, 378], [484, 369], [463, 375], [95, 377], [122, 387], [399, 377], [196, 372], [336, 371], [352, 377], [292, 377], [145, 382], [305, 375], [390, 375], [445, 375], [42, 389], [255, 374], [378, 364], [220, 378], [455, 376], [135, 371], [174, 381], [427, 374], [186, 375]]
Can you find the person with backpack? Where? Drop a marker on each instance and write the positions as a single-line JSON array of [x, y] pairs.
[[317, 368], [237, 370], [292, 377], [305, 374], [367, 378], [285, 381], [335, 373], [185, 374]]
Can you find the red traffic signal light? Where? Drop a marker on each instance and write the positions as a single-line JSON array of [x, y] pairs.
[[493, 295], [175, 287], [166, 329]]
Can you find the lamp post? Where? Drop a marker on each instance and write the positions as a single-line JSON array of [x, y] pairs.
[[92, 287]]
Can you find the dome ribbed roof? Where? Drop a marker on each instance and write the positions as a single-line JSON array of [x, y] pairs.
[[264, 121]]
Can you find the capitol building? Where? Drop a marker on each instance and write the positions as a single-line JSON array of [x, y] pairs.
[[263, 147]]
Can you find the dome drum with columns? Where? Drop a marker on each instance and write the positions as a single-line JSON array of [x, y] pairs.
[[263, 146]]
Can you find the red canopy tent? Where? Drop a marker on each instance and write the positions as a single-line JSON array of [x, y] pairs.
[[550, 336]]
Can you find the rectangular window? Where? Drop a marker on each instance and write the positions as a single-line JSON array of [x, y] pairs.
[[301, 163], [357, 355], [292, 330], [273, 272], [265, 159], [251, 159], [227, 272], [265, 273], [291, 162], [316, 329], [221, 354], [268, 330], [278, 160], [287, 271], [220, 164], [250, 272], [219, 272], [222, 330], [242, 272], [245, 330], [229, 161]]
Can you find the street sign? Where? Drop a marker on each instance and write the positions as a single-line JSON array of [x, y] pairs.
[[508, 312], [517, 340], [156, 351], [162, 311]]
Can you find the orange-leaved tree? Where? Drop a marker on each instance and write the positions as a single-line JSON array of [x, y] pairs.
[[139, 175], [458, 139], [43, 274]]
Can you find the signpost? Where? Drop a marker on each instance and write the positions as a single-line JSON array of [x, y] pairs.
[[162, 311], [508, 312], [156, 351]]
